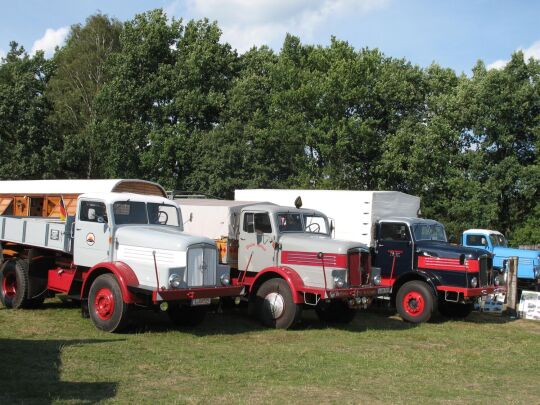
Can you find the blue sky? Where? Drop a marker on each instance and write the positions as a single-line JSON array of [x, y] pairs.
[[454, 34]]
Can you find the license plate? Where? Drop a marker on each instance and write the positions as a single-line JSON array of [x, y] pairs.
[[384, 290], [200, 301]]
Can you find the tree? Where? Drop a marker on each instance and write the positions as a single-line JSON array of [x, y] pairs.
[[79, 76], [28, 145]]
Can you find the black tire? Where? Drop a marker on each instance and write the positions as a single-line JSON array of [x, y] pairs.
[[106, 306], [455, 310], [335, 312], [182, 315], [14, 284], [415, 302], [275, 306]]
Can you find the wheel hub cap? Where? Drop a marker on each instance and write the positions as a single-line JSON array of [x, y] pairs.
[[414, 303], [276, 304], [9, 285], [104, 303]]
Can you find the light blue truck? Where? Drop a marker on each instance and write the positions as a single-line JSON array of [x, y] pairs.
[[494, 241]]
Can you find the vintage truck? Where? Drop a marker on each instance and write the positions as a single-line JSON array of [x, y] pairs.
[[426, 273], [286, 259], [528, 260], [119, 251]]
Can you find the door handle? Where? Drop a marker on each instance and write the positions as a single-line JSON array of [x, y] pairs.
[[242, 238], [78, 229]]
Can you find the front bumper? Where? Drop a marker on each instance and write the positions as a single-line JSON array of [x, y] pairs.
[[473, 292], [194, 293]]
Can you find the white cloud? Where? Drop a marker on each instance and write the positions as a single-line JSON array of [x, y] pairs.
[[248, 22], [50, 40], [532, 51]]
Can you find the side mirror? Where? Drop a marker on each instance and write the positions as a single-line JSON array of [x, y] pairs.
[[332, 227]]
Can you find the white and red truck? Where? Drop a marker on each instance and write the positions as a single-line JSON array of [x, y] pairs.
[[427, 274], [118, 251], [286, 259]]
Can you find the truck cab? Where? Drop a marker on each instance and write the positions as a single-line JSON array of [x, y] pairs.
[[287, 259], [528, 260], [411, 251]]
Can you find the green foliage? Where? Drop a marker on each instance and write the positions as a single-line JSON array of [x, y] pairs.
[[27, 142], [168, 101]]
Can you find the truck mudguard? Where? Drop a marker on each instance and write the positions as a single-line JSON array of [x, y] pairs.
[[289, 275], [123, 273]]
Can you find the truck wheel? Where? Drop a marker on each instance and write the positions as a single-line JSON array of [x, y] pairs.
[[182, 315], [107, 309], [275, 305], [335, 312], [14, 284], [455, 310], [415, 302]]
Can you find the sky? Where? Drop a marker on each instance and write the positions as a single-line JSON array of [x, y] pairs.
[[455, 33]]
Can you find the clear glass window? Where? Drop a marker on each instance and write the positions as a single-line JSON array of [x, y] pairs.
[[393, 231], [141, 213], [429, 232], [93, 211]]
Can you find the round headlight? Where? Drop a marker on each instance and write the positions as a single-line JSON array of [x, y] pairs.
[[225, 279], [474, 282], [338, 282], [496, 280], [377, 279], [175, 281]]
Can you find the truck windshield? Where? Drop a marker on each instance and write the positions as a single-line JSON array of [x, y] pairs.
[[498, 240], [297, 222], [141, 213], [429, 232]]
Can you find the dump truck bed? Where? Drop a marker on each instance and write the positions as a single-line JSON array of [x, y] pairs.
[[37, 232]]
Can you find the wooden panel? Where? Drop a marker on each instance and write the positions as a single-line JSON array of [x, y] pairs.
[[21, 206], [5, 205], [138, 188], [54, 206]]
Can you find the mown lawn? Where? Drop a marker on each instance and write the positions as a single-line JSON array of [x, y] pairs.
[[53, 355]]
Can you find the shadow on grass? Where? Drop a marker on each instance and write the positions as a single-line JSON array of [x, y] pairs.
[[31, 374]]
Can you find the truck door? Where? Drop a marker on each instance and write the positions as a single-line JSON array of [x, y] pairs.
[[92, 234], [256, 242], [394, 254]]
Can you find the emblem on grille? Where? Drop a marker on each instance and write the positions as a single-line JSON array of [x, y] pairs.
[[203, 266]]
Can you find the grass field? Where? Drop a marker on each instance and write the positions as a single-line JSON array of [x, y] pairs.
[[52, 355]]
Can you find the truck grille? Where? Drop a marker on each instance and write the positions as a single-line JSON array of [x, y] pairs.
[[359, 268], [485, 271], [201, 265]]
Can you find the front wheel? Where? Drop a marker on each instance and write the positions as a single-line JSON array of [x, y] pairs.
[[415, 302], [335, 312], [186, 316], [275, 305], [106, 307], [455, 310]]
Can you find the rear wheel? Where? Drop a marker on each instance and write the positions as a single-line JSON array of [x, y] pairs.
[[106, 306], [14, 284], [182, 315], [415, 302], [275, 305], [335, 312], [455, 310]]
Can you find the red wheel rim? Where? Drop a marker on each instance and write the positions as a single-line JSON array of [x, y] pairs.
[[413, 303], [104, 304], [9, 284]]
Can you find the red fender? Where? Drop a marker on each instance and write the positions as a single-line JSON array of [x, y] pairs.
[[296, 284], [123, 273]]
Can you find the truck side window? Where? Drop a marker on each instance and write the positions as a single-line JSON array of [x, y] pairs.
[[93, 211], [262, 223], [248, 223], [394, 231], [476, 240]]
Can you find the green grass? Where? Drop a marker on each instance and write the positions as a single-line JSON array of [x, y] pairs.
[[53, 355]]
